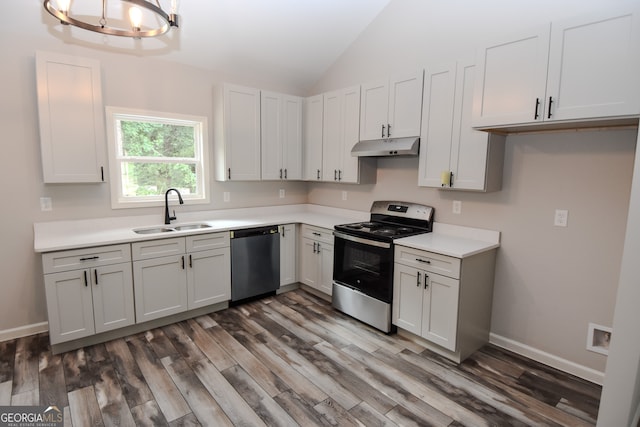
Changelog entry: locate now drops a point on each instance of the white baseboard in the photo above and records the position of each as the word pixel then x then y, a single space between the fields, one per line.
pixel 23 331
pixel 548 359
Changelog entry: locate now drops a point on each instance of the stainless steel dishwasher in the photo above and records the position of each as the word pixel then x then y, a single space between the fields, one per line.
pixel 255 262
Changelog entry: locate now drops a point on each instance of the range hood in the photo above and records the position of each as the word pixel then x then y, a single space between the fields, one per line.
pixel 387 147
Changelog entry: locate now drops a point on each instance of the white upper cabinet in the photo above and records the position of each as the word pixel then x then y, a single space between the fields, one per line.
pixel 594 67
pixel 391 108
pixel 312 140
pixel 583 68
pixel 340 131
pixel 237 133
pixel 281 135
pixel 452 154
pixel 72 133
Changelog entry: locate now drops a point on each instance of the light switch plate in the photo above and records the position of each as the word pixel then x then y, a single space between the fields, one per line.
pixel 281 193
pixel 457 207
pixel 226 196
pixel 561 218
pixel 344 195
pixel 45 204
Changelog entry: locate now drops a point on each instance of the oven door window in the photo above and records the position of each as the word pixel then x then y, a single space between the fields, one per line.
pixel 366 268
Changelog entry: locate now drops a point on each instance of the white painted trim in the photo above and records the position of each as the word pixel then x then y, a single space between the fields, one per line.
pixel 23 331
pixel 548 359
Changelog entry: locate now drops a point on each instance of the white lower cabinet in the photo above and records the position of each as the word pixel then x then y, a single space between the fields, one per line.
pixel 427 305
pixel 443 299
pixel 88 291
pixel 179 274
pixel 316 258
pixel 288 246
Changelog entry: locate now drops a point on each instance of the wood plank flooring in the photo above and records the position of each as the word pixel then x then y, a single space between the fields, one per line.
pixel 287 360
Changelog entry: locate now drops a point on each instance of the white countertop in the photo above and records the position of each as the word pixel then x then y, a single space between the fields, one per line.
pixel 61 235
pixel 446 239
pixel 453 240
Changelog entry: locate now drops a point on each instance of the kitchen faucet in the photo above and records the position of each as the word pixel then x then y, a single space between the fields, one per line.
pixel 167 218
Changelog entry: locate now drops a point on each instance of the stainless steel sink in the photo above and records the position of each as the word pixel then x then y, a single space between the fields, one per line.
pixel 154 230
pixel 191 227
pixel 167 229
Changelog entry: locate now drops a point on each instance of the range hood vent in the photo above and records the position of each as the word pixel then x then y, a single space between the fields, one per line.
pixel 387 147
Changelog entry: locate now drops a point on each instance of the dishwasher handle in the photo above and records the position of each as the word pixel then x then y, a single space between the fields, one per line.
pixel 257 231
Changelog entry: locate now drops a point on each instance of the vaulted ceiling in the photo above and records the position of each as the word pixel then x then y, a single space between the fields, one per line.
pixel 294 40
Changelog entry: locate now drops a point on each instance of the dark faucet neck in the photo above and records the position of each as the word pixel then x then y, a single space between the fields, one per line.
pixel 168 218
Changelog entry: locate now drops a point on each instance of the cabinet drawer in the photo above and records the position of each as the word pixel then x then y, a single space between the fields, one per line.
pixel 158 248
pixel 428 261
pixel 76 259
pixel 205 242
pixel 317 233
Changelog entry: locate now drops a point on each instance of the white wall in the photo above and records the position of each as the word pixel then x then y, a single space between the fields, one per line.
pixel 128 81
pixel 550 282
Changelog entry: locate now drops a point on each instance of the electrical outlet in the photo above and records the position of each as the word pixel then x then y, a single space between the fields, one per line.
pixel 561 218
pixel 344 195
pixel 45 204
pixel 457 207
pixel 226 196
pixel 281 193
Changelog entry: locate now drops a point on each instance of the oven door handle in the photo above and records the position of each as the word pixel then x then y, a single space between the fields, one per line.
pixel 340 235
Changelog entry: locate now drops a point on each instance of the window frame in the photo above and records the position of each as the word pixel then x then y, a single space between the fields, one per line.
pixel 199 123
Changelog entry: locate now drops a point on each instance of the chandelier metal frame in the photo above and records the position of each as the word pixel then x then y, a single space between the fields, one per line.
pixel 169 20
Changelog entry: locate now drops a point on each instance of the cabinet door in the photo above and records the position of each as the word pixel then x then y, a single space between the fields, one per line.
pixel 350 135
pixel 407 298
pixel 437 124
pixel 292 137
pixel 208 277
pixel 440 310
pixel 405 105
pixel 468 146
pixel 312 143
pixel 374 110
pixel 160 287
pixel 288 252
pixel 72 133
pixel 309 265
pixel 271 135
pixel 594 63
pixel 331 135
pixel 69 305
pixel 512 75
pixel 325 259
pixel 112 293
pixel 241 133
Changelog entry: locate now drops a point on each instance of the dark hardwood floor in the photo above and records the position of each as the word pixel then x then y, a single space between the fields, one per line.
pixel 286 360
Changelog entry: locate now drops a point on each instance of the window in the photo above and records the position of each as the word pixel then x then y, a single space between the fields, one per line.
pixel 151 152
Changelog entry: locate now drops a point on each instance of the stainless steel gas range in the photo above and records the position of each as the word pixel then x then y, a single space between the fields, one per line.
pixel 363 259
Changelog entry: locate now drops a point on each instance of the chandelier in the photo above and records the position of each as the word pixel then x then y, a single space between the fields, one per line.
pixel 158 22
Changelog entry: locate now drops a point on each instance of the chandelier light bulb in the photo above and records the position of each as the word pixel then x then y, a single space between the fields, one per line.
pixel 63 6
pixel 135 15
